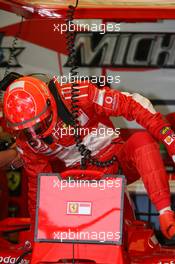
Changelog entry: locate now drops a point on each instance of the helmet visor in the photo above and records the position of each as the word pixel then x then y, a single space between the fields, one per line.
pixel 37 130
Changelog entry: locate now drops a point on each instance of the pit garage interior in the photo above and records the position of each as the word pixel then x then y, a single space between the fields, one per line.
pixel 130 45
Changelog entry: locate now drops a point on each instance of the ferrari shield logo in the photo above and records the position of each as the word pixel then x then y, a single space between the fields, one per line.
pixel 14 180
pixel 73 208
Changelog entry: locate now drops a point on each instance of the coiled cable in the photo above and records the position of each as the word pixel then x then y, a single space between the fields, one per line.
pixel 70 41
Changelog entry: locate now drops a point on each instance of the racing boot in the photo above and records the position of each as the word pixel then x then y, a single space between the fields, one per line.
pixel 167 224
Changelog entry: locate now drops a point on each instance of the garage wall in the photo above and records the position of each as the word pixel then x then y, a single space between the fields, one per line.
pixel 138 57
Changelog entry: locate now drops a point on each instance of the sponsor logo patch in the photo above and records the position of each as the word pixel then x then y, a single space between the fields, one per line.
pixel 79 208
pixel 164 130
pixel 169 139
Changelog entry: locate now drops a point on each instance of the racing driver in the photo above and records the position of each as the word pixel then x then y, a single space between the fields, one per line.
pixel 32 113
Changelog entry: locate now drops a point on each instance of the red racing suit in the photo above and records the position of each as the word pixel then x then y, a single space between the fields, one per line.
pixel 139 156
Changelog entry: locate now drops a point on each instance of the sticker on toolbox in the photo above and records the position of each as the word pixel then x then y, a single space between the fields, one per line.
pixel 79 208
